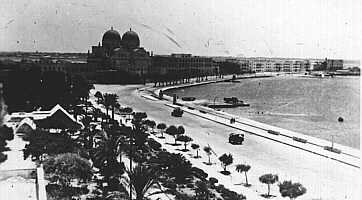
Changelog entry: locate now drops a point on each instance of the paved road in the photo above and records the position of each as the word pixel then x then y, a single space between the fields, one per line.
pixel 324 178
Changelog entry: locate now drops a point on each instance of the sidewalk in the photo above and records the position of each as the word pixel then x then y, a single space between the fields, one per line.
pixel 16 179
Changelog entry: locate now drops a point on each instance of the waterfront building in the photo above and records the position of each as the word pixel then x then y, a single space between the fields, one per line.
pixel 183 66
pixel 261 65
pixel 333 65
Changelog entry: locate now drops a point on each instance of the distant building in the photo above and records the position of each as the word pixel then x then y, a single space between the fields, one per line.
pixel 183 65
pixel 261 65
pixel 333 65
pixel 120 54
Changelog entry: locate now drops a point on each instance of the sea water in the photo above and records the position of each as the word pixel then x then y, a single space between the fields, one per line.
pixel 306 105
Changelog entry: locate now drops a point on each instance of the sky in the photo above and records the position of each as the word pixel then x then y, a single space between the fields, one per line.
pixel 250 28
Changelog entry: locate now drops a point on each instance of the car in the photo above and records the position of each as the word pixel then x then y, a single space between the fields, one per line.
pixel 236 138
pixel 274 132
pixel 177 112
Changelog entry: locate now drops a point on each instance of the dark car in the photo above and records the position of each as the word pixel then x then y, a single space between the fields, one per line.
pixel 274 132
pixel 235 138
pixel 177 112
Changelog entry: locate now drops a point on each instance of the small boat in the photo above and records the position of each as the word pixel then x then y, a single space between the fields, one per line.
pixel 235 101
pixel 188 98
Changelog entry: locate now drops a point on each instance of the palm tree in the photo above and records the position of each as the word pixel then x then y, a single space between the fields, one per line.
pixel 243 168
pixel 208 151
pixel 106 101
pixel 105 155
pixel 268 179
pixel 196 147
pixel 113 102
pixel 142 179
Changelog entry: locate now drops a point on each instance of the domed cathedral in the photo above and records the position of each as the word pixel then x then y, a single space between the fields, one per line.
pixel 111 40
pixel 121 54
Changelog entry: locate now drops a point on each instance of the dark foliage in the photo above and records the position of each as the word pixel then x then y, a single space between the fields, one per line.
pixel 226 160
pixel 42 142
pixel 199 173
pixel 291 190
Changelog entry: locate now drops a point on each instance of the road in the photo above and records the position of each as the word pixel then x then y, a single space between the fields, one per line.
pixel 324 178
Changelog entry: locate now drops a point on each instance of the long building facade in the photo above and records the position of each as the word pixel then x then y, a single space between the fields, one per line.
pixel 183 66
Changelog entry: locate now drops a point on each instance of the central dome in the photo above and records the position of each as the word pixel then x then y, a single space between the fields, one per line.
pixel 111 39
pixel 130 40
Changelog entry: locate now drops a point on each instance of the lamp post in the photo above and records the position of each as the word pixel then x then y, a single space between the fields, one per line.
pixel 214 101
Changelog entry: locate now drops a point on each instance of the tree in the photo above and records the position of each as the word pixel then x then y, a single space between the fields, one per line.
pixel 226 160
pixel 150 123
pixel 202 191
pixel 80 88
pixel 173 131
pixel 291 190
pixel 99 96
pixel 142 179
pixel 43 142
pixel 97 114
pixel 180 130
pixel 268 179
pixel 105 156
pixel 110 100
pixel 243 168
pixel 6 133
pixel 208 151
pixel 162 127
pixel 63 168
pixel 196 147
pixel 107 102
pixel 178 166
pixel 184 138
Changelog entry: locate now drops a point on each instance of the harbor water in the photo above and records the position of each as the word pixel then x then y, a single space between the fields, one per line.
pixel 306 105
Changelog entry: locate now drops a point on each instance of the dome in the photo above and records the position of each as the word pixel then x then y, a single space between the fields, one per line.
pixel 111 39
pixel 130 40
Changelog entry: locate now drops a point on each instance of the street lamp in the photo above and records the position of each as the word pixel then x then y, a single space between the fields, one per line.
pixel 214 101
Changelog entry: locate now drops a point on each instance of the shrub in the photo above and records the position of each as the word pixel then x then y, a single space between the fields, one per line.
pixel 199 173
pixel 154 144
pixel 65 167
pixel 213 180
pixel 291 190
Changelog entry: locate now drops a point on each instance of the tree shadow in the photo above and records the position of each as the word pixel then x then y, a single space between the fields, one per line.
pixel 183 150
pixel 196 157
pixel 226 173
pixel 173 144
pixel 267 196
pixel 207 163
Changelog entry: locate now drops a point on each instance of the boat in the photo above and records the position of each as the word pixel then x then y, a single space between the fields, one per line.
pixel 229 102
pixel 235 101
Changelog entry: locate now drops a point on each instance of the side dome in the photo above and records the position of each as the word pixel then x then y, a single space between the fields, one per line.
pixel 111 39
pixel 130 40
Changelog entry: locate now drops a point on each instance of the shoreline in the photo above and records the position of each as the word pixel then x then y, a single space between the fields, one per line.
pixel 350 151
pixel 264 155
